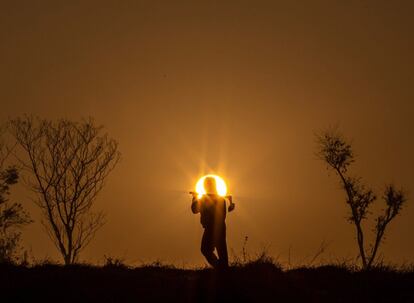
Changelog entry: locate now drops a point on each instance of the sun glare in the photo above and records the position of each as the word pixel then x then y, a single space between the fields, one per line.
pixel 220 186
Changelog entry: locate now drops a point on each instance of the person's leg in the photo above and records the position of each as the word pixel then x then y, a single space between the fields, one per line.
pixel 222 248
pixel 207 246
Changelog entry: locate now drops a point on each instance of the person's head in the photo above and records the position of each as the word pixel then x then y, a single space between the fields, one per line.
pixel 210 185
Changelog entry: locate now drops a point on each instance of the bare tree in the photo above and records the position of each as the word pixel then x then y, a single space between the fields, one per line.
pixel 337 153
pixel 68 164
pixel 12 215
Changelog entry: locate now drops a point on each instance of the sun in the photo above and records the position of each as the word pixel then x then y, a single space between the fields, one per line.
pixel 220 186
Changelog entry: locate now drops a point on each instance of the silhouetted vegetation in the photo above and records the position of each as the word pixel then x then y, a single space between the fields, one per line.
pixel 255 281
pixel 12 215
pixel 68 163
pixel 337 153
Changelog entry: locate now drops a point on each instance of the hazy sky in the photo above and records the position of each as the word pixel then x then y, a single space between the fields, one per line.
pixel 232 87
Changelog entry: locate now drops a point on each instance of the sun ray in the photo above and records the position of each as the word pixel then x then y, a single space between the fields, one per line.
pixel 220 185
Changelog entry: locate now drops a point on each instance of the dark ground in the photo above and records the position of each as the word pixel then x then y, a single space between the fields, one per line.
pixel 247 283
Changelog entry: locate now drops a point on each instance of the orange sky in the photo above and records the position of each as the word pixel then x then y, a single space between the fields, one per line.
pixel 237 89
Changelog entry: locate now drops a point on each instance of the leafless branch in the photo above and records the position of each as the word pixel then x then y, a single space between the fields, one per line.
pixel 68 164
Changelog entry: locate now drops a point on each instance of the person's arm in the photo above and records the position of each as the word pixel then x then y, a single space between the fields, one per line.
pixel 195 204
pixel 232 205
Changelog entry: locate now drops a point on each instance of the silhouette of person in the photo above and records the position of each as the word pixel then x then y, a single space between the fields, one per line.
pixel 212 209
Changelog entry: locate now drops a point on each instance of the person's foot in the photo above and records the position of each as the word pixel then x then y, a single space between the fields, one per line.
pixel 222 266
